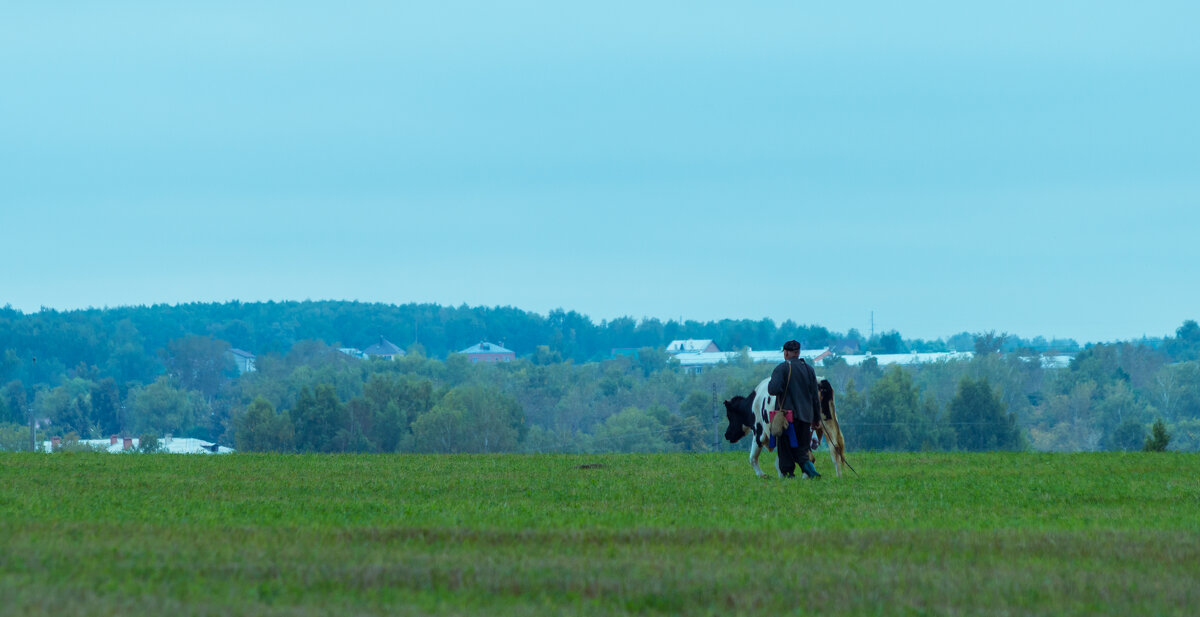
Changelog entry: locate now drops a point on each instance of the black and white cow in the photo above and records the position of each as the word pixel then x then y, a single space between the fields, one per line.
pixel 749 415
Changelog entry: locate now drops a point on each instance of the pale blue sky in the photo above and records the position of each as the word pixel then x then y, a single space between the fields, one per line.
pixel 1028 167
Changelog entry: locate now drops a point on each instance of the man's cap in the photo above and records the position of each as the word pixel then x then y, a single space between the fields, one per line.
pixel 791 346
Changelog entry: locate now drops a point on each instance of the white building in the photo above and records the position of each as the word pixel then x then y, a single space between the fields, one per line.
pixel 169 445
pixel 695 362
pixel 353 352
pixel 244 361
pixel 692 346
pixel 908 359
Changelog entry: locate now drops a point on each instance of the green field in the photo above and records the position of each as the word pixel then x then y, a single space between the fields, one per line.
pixel 980 534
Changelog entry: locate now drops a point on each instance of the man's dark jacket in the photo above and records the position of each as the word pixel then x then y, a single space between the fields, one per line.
pixel 801 395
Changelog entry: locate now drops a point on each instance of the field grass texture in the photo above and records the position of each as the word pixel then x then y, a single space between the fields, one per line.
pixel 914 534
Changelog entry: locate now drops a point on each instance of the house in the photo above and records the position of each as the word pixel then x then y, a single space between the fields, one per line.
pixel 692 346
pixel 383 349
pixel 488 352
pixel 244 361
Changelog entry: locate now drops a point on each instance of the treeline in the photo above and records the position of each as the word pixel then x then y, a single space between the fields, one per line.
pixel 131 344
pixel 1108 398
pixel 316 399
pixel 311 398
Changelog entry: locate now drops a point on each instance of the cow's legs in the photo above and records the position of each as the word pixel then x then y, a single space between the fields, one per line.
pixel 837 467
pixel 755 450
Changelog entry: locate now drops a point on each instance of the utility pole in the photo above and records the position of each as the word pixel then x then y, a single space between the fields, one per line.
pixel 872 325
pixel 32 423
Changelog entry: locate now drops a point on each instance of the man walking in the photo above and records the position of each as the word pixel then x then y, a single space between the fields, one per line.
pixel 794 386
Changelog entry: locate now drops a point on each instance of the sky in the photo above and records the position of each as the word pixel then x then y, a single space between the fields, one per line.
pixel 1023 167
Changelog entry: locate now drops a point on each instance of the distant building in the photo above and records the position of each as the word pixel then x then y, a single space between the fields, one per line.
pixel 116 445
pixel 692 346
pixel 1055 361
pixel 695 363
pixel 908 359
pixel 383 349
pixel 488 352
pixel 244 361
pixel 353 352
pixel 844 347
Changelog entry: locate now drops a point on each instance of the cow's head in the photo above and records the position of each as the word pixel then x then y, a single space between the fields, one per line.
pixel 741 417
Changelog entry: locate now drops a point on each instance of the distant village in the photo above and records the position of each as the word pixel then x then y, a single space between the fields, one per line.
pixel 693 356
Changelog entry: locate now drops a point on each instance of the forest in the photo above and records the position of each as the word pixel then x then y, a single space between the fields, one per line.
pixel 165 370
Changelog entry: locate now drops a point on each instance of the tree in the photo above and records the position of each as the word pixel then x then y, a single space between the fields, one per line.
pixel 869 371
pixel 317 418
pixel 698 404
pixel 16 401
pixel 1067 422
pixel 890 343
pixel 1140 362
pixel 1176 391
pixel 989 343
pixel 685 433
pixel 1158 439
pixel 1122 415
pixel 542 356
pixel 106 407
pixel 10 363
pixel 357 432
pixel 161 407
pixel 837 371
pixel 963 341
pixel 652 360
pixel 1185 436
pixel 68 406
pixel 260 429
pixel 979 418
pixel 14 437
pixel 440 430
pixel 630 430
pixel 199 363
pixel 934 434
pixel 457 369
pixel 492 420
pixel 394 402
pixel 1186 344
pixel 148 444
pixel 889 419
pixel 131 363
pixel 1128 436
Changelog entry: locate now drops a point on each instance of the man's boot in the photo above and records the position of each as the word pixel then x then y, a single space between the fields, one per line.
pixel 809 470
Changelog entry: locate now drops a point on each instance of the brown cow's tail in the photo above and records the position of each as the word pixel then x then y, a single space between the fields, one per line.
pixel 830 426
pixel 841 441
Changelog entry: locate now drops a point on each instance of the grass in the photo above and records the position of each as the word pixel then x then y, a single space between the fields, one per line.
pixel 943 534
